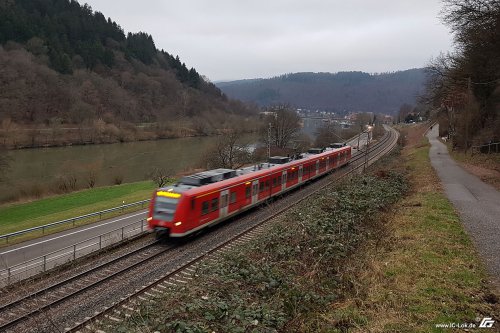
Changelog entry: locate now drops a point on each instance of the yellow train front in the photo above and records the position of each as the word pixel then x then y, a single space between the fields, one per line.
pixel 168 212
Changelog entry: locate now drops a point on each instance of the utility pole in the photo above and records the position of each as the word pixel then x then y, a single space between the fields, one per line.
pixel 360 132
pixel 366 152
pixel 269 142
pixel 469 102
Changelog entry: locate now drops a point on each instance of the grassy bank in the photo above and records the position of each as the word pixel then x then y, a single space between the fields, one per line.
pixel 359 257
pixel 27 215
pixel 425 271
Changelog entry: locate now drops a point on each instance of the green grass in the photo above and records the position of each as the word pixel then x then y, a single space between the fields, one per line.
pixel 17 217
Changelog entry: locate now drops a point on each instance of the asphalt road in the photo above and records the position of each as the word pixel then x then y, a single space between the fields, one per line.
pixel 28 250
pixel 477 203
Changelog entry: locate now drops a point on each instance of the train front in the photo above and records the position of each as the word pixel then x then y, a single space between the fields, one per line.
pixel 165 215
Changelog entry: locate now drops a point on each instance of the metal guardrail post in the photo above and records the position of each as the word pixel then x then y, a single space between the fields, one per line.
pixel 74 252
pixel 100 242
pixel 44 263
pixel 8 275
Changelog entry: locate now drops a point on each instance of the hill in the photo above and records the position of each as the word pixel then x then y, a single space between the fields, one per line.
pixel 343 91
pixel 62 63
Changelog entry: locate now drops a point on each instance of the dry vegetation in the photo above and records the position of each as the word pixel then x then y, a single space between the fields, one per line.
pixel 484 166
pixel 358 258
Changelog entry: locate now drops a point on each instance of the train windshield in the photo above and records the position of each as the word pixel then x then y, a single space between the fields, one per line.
pixel 165 208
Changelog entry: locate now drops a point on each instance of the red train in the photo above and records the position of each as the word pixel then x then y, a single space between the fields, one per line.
pixel 209 197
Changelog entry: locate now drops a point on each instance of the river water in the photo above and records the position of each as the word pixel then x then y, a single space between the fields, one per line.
pixel 132 161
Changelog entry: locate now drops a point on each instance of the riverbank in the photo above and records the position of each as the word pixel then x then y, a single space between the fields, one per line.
pixel 16 136
pixel 39 173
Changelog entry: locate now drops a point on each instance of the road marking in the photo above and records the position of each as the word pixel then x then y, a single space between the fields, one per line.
pixel 70 234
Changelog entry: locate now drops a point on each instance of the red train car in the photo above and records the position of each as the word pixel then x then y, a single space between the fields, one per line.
pixel 209 197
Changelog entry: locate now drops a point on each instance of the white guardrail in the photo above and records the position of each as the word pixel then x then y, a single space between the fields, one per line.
pixel 42 264
pixel 72 220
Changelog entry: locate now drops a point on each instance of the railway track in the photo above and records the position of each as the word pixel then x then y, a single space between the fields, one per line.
pixel 127 305
pixel 19 311
pixel 23 308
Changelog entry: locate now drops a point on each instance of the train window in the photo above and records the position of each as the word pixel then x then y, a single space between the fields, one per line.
pixel 261 187
pixel 223 201
pixel 274 182
pixel 204 208
pixel 192 204
pixel 233 197
pixel 164 208
pixel 279 180
pixel 215 205
pixel 248 192
pixel 267 184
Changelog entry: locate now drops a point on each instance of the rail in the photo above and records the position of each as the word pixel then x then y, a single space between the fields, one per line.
pixel 44 263
pixel 53 259
pixel 143 293
pixel 72 220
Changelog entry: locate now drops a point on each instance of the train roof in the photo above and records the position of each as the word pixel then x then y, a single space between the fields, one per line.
pixel 206 182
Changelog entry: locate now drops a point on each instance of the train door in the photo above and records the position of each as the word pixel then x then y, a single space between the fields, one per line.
pixel 255 191
pixel 317 167
pixel 283 184
pixel 223 203
pixel 300 174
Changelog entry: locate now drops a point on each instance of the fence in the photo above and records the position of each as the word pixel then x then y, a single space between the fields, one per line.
pixel 42 264
pixel 487 148
pixel 72 220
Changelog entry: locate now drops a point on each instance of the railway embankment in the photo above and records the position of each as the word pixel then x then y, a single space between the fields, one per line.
pixel 382 251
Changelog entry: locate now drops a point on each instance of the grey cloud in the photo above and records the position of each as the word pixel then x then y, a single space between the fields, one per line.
pixel 228 39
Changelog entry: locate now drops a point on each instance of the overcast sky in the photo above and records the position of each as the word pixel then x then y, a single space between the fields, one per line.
pixel 231 39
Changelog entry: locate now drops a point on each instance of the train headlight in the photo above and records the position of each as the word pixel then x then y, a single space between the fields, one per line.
pixel 177 223
pixel 149 219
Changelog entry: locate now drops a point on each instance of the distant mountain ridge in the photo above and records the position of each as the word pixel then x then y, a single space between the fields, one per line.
pixel 338 92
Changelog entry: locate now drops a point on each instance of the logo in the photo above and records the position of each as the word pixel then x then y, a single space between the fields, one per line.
pixel 486 323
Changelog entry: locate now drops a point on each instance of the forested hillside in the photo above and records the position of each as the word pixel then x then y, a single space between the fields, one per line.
pixel 343 91
pixel 465 86
pixel 62 63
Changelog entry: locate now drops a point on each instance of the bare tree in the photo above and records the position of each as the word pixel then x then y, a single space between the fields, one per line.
pixel 326 134
pixel 91 173
pixel 4 163
pixel 285 126
pixel 160 175
pixel 228 152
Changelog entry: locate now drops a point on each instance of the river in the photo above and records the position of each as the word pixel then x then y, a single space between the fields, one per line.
pixel 39 168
